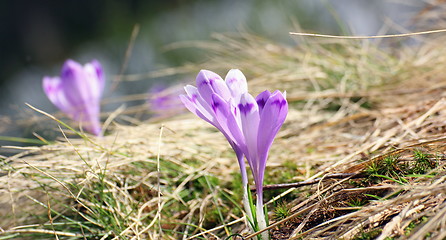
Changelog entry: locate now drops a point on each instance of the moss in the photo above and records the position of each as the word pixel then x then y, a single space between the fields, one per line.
pixel 368 235
pixel 281 211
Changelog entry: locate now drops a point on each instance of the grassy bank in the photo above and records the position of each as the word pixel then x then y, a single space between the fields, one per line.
pixel 375 114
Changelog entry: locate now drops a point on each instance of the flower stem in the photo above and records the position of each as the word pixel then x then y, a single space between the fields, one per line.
pixel 246 203
pixel 260 214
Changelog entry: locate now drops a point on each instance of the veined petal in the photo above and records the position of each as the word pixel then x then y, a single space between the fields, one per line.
pixel 95 79
pixel 261 99
pixel 197 105
pixel 249 115
pixel 77 93
pixel 193 108
pixel 272 117
pixel 235 111
pixel 53 89
pixel 89 119
pixel 99 72
pixel 225 118
pixel 236 82
pixel 189 104
pixel 192 92
pixel 208 83
pixel 75 84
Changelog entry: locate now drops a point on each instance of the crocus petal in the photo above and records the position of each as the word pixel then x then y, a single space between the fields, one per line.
pixel 77 93
pixel 89 120
pixel 249 115
pixel 261 99
pixel 224 117
pixel 209 82
pixel 221 111
pixel 53 89
pixel 95 78
pixel 235 126
pixel 75 84
pixel 77 87
pixel 271 119
pixel 202 106
pixel 99 72
pixel 192 107
pixel 236 82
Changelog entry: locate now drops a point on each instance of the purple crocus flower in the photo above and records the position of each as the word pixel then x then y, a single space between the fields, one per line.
pixel 200 101
pixel 250 125
pixel 77 93
pixel 163 100
pixel 210 87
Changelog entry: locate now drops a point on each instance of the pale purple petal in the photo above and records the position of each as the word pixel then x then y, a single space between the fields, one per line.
pixel 89 120
pixel 221 110
pixel 209 82
pixel 271 119
pixel 77 93
pixel 261 99
pixel 249 115
pixel 75 84
pixel 192 92
pixel 53 89
pixel 236 82
pixel 191 106
pixel 203 107
pixel 99 72
pixel 95 79
pixel 223 114
pixel 204 85
pixel 221 89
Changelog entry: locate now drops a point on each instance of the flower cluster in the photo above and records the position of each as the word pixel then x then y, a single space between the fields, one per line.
pixel 249 124
pixel 77 93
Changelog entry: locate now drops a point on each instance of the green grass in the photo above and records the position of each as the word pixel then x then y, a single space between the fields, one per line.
pixel 392 168
pixel 281 211
pixel 369 235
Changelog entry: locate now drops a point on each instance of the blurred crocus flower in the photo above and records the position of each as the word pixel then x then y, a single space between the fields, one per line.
pixel 77 93
pixel 249 124
pixel 163 100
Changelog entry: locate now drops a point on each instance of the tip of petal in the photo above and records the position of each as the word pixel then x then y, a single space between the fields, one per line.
pixel 262 98
pixel 69 68
pixel 235 75
pixel 278 99
pixel 236 82
pixel 247 104
pixel 206 77
pixel 50 84
pixel 96 130
pixel 98 68
pixel 69 63
pixel 191 92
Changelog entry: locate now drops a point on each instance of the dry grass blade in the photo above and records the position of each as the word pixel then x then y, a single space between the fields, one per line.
pixel 369 37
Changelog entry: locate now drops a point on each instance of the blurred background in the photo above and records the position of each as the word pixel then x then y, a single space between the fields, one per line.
pixel 36 37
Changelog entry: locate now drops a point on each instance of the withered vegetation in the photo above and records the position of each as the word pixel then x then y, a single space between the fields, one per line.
pixel 378 112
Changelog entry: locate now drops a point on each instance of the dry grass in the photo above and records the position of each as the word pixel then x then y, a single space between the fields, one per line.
pixel 353 107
